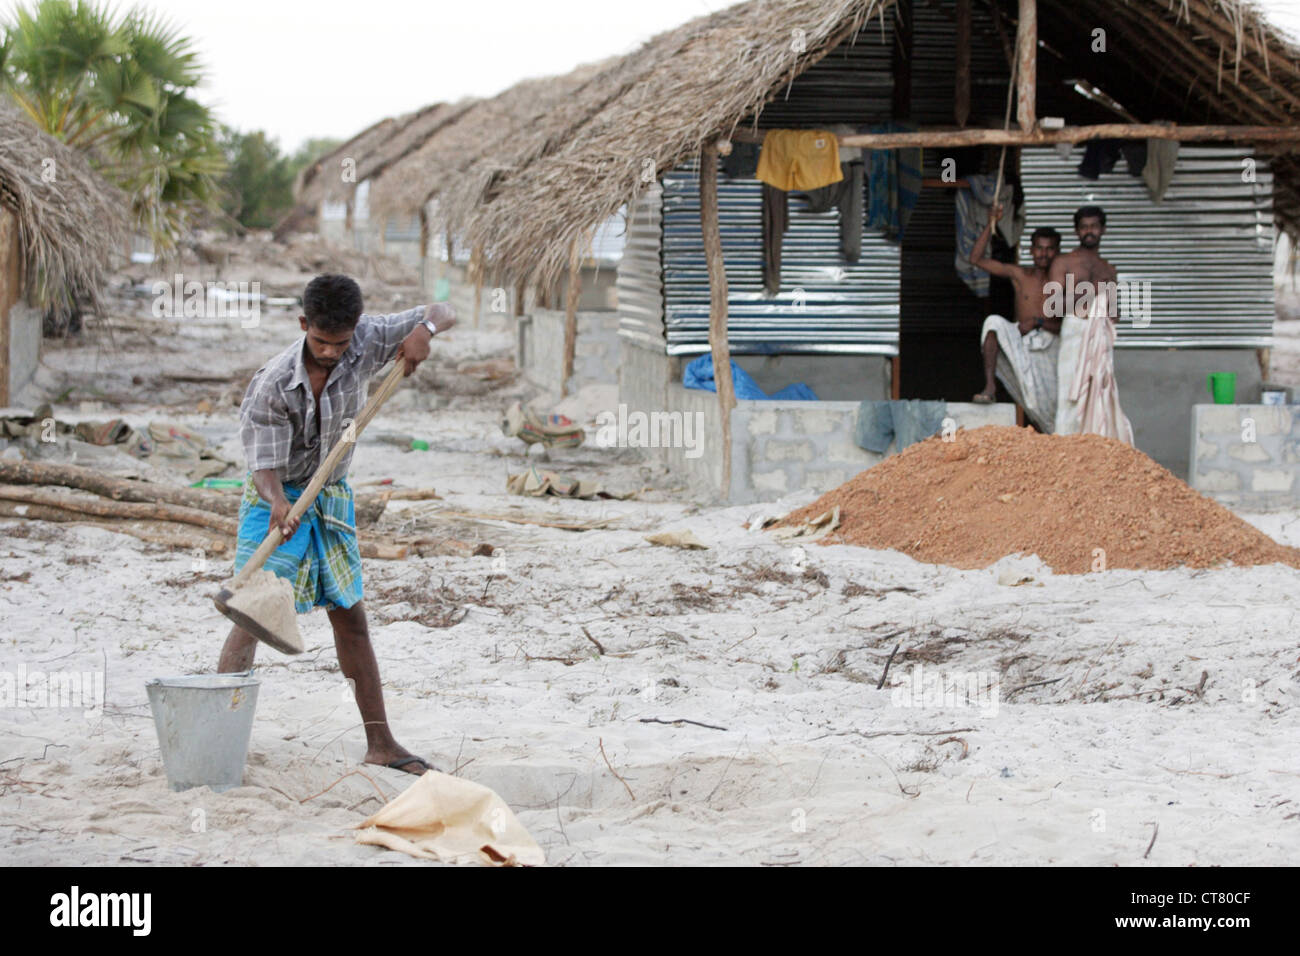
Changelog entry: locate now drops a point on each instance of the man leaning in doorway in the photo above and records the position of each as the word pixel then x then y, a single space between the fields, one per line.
pixel 1022 352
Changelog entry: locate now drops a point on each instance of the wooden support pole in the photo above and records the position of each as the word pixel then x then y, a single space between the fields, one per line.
pixel 1007 52
pixel 1067 134
pixel 571 312
pixel 1027 65
pixel 10 280
pixel 520 289
pixel 718 346
pixel 961 82
pixel 476 276
pixel 902 60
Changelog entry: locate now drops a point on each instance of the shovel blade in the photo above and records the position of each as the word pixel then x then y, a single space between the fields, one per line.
pixel 264 607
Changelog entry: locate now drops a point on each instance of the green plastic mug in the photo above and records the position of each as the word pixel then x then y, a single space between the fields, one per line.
pixel 1223 386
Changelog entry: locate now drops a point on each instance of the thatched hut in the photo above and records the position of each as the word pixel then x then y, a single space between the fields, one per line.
pixel 636 133
pixel 899 323
pixel 339 181
pixel 61 226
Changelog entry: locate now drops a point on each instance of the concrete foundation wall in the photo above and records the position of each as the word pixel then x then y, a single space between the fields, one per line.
pixel 540 349
pixel 776 447
pixel 1247 456
pixel 1158 388
pixel 25 327
pixel 643 376
pixel 780 447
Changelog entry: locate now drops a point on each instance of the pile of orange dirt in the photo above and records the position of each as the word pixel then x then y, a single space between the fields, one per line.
pixel 998 491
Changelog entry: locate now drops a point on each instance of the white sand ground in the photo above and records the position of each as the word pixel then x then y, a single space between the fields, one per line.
pixel 806 762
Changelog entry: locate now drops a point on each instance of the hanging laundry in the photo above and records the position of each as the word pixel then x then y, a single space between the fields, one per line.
pixel 1099 156
pixel 743 161
pixel 1087 395
pixel 848 197
pixel 799 159
pixel 893 182
pixel 1135 155
pixel 972 212
pixel 1162 157
pixel 776 220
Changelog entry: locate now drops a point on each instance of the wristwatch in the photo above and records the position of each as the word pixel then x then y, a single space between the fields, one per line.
pixel 433 329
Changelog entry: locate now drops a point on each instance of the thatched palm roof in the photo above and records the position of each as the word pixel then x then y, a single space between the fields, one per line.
pixel 716 71
pixel 494 136
pixel 694 82
pixel 525 174
pixel 69 228
pixel 373 150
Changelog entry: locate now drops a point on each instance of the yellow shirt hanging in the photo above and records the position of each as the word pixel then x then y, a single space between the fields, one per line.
pixel 799 159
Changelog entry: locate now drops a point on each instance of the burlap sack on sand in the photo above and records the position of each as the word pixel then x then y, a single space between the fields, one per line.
pixel 445 818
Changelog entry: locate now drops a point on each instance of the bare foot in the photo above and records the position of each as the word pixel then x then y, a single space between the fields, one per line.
pixel 984 398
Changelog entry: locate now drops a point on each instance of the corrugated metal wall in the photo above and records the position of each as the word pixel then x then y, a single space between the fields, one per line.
pixel 640 273
pixel 1207 249
pixel 851 84
pixel 825 305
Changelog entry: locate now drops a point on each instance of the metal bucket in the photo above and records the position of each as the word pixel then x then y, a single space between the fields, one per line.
pixel 204 723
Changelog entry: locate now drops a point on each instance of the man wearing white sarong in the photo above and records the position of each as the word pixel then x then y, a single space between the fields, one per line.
pixel 1023 352
pixel 1081 280
pixel 1027 368
pixel 1088 397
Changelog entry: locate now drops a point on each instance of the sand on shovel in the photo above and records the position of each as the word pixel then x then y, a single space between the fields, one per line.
pixel 264 607
pixel 1080 502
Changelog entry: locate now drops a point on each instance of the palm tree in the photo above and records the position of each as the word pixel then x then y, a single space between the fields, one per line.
pixel 120 92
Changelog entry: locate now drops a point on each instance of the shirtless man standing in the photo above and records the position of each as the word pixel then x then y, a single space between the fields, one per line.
pixel 1081 284
pixel 1082 273
pixel 1028 283
pixel 1022 351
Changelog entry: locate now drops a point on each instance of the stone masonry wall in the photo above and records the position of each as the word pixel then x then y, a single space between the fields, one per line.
pixel 1262 474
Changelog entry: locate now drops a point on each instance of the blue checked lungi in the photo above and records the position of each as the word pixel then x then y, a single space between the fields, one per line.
pixel 322 560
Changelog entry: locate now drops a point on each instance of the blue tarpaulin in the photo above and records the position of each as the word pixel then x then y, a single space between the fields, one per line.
pixel 699 374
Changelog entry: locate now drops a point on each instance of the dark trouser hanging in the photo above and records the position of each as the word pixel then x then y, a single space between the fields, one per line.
pixel 776 220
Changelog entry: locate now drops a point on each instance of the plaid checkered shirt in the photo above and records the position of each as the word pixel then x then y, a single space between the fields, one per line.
pixel 277 420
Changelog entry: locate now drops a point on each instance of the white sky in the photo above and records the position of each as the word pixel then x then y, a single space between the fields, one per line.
pixel 305 68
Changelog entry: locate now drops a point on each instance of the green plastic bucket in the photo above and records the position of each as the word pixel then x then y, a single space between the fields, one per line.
pixel 1223 386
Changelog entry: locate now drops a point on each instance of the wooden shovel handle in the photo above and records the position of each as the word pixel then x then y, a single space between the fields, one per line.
pixel 274 539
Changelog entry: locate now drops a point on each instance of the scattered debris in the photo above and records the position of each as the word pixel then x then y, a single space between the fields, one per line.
pixel 677 539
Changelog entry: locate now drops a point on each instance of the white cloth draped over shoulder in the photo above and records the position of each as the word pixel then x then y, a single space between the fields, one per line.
pixel 1087 394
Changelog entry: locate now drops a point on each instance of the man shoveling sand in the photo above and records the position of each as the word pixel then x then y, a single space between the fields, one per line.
pixel 299 406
